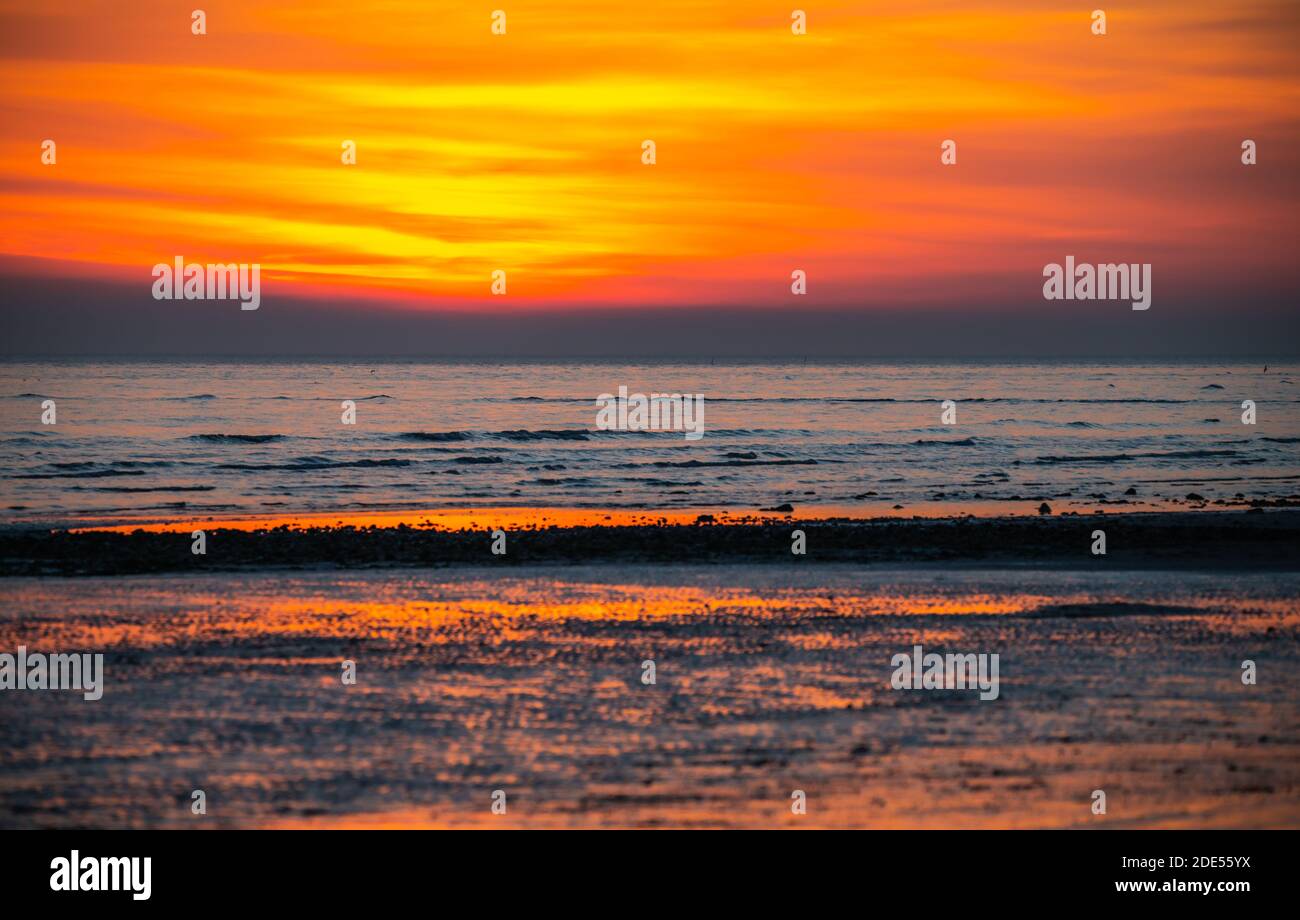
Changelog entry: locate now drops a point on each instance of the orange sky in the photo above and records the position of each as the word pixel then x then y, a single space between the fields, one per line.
pixel 522 152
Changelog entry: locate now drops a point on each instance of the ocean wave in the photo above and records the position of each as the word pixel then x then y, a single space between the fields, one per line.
pixel 584 434
pixel 236 438
pixel 433 436
pixel 514 434
pixel 544 434
pixel 118 464
pixel 376 396
pixel 83 474
pixel 136 489
pixel 650 481
pixel 1152 455
pixel 695 464
pixel 307 464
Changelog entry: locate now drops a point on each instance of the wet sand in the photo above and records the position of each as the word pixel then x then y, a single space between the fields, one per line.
pixel 769 678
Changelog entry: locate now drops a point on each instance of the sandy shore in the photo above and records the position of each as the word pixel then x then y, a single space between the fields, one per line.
pixel 522 672
pixel 1218 540
pixel 769 679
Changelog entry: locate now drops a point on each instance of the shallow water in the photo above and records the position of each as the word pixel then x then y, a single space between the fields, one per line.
pixel 767 680
pixel 158 440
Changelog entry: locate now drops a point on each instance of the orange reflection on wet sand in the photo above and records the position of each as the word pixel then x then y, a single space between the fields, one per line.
pixel 444 607
pixel 526 518
pixel 768 679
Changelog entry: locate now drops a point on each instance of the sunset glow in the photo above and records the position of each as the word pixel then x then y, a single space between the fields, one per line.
pixel 570 414
pixel 521 152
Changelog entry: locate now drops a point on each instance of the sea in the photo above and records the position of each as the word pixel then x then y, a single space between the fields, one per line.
pixel 148 440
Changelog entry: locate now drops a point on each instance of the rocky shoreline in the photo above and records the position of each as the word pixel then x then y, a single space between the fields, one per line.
pixel 1257 540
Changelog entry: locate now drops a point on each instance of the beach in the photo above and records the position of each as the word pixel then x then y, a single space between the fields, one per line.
pixel 769 679
pixel 473 609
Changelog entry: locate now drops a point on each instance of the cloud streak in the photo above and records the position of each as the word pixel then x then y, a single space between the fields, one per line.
pixel 522 152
